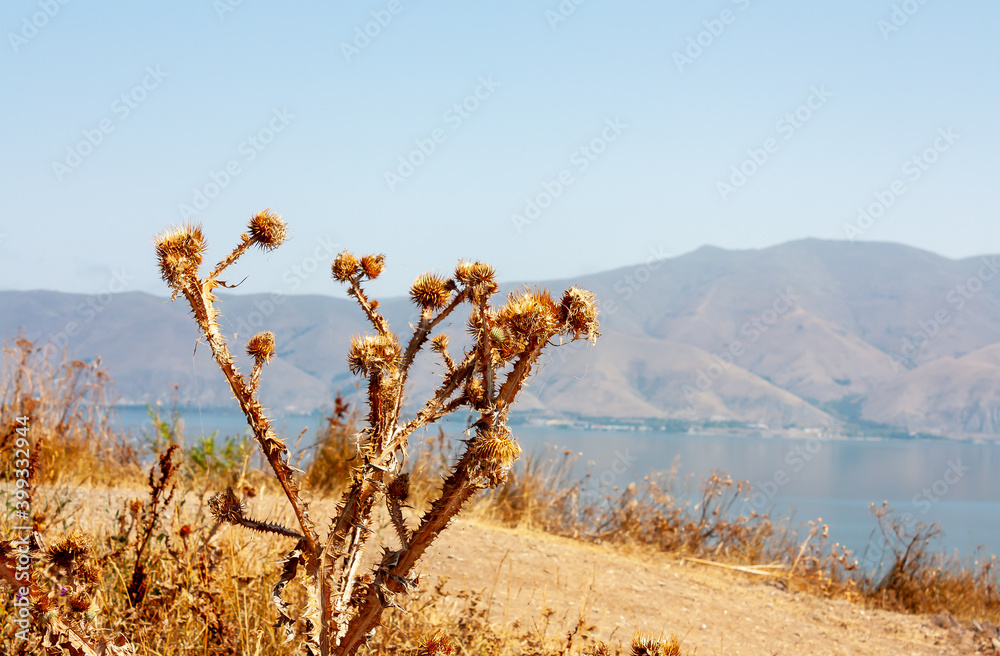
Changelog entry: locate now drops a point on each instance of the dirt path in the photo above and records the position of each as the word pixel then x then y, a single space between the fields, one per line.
pixel 716 611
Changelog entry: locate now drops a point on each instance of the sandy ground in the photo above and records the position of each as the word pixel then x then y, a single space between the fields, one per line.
pixel 715 611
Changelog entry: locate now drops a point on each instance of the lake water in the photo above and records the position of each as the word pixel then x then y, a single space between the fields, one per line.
pixel 956 484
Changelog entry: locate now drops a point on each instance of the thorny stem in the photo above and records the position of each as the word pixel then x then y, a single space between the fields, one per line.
pixel 425 328
pixel 200 298
pixel 458 488
pixel 515 379
pixel 344 544
pixel 255 377
pixel 377 320
pixel 485 347
pixel 434 408
pixel 245 243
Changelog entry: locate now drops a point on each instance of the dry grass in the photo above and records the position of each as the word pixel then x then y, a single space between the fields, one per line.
pixel 913 578
pixel 68 404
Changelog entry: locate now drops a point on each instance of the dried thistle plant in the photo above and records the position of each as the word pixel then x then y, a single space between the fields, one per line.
pixel 344 604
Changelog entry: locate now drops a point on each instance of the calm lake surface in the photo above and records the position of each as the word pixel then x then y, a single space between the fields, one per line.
pixel 956 484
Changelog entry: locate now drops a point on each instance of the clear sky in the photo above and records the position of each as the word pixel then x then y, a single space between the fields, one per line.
pixel 625 124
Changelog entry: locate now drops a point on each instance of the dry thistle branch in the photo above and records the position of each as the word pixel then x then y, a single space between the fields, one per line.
pixel 344 604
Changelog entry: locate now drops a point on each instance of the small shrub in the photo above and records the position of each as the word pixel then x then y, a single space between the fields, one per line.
pixel 911 577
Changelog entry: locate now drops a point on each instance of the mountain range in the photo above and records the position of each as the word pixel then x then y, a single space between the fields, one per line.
pixel 879 335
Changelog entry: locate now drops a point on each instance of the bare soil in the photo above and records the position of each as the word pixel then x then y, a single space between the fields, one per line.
pixel 716 611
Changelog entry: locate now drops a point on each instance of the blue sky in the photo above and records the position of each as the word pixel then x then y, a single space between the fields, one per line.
pixel 629 122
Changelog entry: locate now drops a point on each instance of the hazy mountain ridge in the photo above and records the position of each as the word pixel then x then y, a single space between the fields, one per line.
pixel 769 336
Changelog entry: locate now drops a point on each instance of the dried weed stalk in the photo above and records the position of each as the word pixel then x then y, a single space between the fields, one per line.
pixel 345 605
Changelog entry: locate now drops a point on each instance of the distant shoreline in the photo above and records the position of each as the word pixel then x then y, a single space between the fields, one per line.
pixel 644 425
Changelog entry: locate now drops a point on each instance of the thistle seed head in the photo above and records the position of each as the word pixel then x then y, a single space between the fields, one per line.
pixel 431 291
pixel 373 265
pixel 226 507
pixel 646 645
pixel 495 451
pixel 69 549
pixel 479 279
pixel 527 315
pixel 261 347
pixel 80 601
pixel 180 250
pixel 472 274
pixel 436 645
pixel 267 230
pixel 399 488
pixel 371 354
pixel 507 344
pixel 578 313
pixel 345 266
